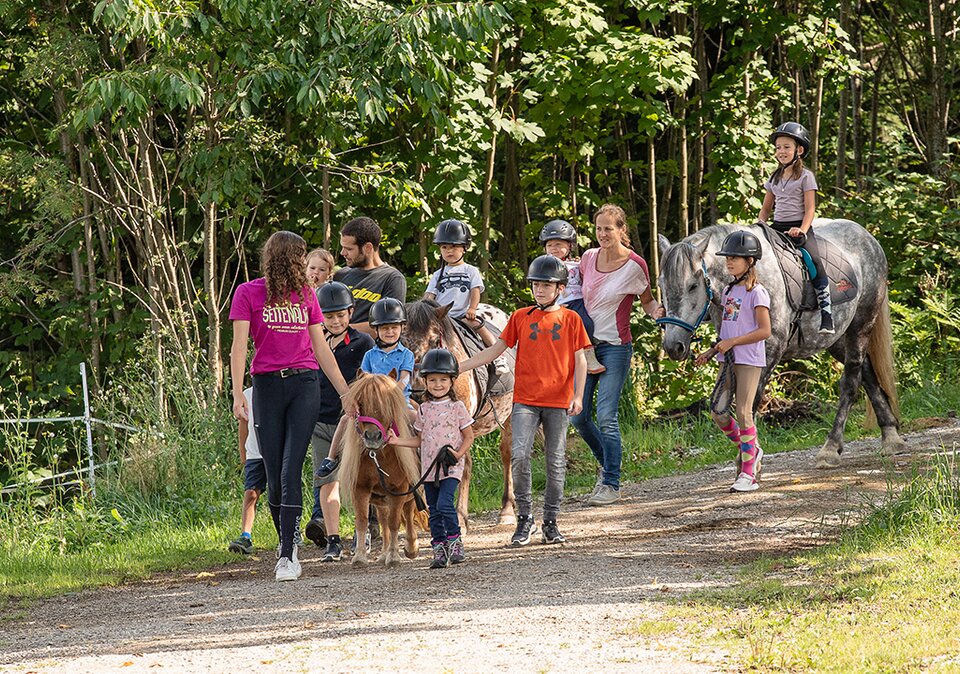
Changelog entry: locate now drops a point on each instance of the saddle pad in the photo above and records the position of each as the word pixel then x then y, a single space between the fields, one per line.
pixel 843 281
pixel 483 375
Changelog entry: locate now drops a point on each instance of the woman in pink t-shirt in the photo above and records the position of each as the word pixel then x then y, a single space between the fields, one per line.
pixel 613 275
pixel 280 312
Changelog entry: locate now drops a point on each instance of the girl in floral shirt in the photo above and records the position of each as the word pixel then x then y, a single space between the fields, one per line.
pixel 444 436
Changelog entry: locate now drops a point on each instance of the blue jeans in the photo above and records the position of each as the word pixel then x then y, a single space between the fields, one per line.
pixel 603 437
pixel 578 307
pixel 444 522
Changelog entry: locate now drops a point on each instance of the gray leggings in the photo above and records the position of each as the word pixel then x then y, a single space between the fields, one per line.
pixel 525 421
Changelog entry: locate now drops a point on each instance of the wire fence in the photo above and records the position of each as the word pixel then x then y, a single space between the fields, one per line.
pixel 88 420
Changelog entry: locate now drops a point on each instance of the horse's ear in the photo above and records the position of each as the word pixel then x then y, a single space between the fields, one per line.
pixel 442 312
pixel 664 245
pixel 703 245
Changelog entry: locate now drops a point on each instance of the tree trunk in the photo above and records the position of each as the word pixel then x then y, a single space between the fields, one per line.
pixel 937 112
pixel 325 195
pixel 487 190
pixel 684 175
pixel 664 206
pixel 512 219
pixel 654 254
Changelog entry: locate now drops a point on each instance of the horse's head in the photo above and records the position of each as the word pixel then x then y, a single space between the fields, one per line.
pixel 686 293
pixel 381 405
pixel 428 327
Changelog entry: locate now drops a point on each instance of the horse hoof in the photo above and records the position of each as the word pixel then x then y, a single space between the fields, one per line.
pixel 506 520
pixel 827 460
pixel 892 448
pixel 411 553
pixel 391 562
pixel 359 563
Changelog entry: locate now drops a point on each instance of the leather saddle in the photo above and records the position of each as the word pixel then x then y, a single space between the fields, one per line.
pixel 489 383
pixel 798 270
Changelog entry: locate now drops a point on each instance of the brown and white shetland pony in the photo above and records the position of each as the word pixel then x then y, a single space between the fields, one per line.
pixel 429 327
pixel 381 405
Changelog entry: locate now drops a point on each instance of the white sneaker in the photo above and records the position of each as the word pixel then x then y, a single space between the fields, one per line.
pixel 288 569
pixel 605 496
pixel 746 482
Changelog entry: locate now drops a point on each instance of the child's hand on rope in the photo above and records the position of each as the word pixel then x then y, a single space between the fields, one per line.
pixel 705 356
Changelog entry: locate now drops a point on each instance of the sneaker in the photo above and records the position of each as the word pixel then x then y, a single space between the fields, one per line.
pixel 551 534
pixel 594 366
pixel 327 466
pixel 455 550
pixel 288 569
pixel 826 323
pixel 441 559
pixel 334 551
pixel 526 527
pixel 243 545
pixel 597 485
pixel 316 531
pixel 746 482
pixel 353 544
pixel 605 495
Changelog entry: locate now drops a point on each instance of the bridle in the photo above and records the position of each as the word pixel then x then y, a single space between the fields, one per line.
pixel 372 444
pixel 692 327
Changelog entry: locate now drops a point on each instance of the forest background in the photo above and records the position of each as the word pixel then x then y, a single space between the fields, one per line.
pixel 147 149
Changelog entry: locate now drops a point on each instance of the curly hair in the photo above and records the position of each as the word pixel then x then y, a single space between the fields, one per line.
pixel 619 218
pixel 283 262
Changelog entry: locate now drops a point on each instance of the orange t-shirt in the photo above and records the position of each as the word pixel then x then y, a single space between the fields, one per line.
pixel 547 343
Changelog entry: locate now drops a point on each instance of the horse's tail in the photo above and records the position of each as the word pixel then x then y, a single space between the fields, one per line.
pixel 880 352
pixel 350 454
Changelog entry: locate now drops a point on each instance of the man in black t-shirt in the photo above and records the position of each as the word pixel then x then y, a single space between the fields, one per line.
pixel 368 277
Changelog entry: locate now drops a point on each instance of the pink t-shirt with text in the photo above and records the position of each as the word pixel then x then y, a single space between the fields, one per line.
pixel 281 338
pixel 608 296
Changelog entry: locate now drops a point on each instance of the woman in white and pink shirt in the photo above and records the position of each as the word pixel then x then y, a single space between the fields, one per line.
pixel 613 277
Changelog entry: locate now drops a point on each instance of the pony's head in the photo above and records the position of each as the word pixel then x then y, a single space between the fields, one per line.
pixel 428 327
pixel 685 290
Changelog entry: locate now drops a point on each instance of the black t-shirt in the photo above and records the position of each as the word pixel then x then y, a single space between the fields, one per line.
pixel 349 354
pixel 370 285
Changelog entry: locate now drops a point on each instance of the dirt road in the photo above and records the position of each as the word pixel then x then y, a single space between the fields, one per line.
pixel 542 608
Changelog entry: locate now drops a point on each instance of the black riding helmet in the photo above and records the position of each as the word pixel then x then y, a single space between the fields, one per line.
pixel 439 361
pixel 388 311
pixel 796 131
pixel 453 232
pixel 558 230
pixel 334 296
pixel 547 268
pixel 741 244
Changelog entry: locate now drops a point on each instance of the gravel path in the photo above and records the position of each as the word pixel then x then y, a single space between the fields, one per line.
pixel 542 609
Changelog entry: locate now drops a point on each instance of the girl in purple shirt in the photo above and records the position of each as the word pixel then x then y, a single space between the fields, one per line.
pixel 280 312
pixel 745 326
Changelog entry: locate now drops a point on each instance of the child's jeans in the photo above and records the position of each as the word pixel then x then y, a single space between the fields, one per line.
pixel 525 420
pixel 578 307
pixel 444 522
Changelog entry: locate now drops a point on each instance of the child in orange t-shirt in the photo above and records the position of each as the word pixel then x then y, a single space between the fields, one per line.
pixel 548 386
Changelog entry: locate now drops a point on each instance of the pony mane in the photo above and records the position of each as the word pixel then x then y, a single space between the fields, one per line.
pixel 421 316
pixel 377 396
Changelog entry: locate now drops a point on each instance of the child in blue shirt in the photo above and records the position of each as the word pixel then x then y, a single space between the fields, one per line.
pixel 387 318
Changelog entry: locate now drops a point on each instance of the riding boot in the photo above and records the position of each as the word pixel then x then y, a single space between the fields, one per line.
pixel 826 309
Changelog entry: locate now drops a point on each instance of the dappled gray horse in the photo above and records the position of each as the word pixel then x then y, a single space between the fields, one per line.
pixel 692 280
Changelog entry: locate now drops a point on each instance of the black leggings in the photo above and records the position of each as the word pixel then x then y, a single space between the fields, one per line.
pixel 810 245
pixel 285 411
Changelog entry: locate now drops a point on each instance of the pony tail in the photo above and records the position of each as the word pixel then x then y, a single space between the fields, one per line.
pixel 751 280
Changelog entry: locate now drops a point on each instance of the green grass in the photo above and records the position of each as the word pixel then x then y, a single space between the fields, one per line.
pixel 884 598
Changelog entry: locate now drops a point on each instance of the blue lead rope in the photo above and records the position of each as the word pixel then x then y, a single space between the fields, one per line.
pixel 692 328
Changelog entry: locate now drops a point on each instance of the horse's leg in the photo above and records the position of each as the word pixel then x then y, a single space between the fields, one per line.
pixel 829 454
pixel 391 531
pixel 411 546
pixel 463 494
pixel 508 504
pixel 361 506
pixel 890 440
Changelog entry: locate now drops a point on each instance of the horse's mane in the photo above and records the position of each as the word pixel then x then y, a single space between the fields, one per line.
pixel 377 396
pixel 422 314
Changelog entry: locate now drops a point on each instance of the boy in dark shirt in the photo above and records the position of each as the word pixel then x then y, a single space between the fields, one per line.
pixel 349 346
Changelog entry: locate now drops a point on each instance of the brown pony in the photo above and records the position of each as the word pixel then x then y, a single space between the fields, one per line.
pixel 378 397
pixel 429 326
